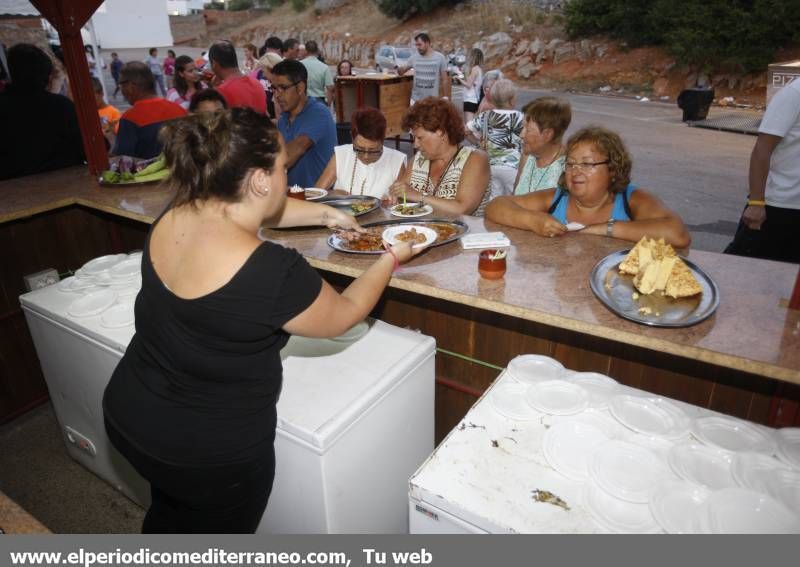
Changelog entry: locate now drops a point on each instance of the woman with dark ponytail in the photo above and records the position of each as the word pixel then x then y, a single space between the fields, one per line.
pixel 191 405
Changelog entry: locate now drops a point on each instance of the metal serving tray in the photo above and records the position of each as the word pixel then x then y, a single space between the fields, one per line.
pixel 335 242
pixel 345 203
pixel 616 290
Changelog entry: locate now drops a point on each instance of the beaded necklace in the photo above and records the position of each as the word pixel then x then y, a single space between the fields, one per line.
pixel 353 177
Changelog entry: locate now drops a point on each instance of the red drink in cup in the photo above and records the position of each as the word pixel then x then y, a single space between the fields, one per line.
pixel 296 192
pixel 492 264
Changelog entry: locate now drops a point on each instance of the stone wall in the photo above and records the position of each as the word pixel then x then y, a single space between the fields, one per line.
pixel 11 33
pixel 188 29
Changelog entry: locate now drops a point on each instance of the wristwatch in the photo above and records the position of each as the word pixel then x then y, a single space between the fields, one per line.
pixel 610 227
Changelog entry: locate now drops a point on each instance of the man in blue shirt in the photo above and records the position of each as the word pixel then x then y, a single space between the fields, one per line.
pixel 306 124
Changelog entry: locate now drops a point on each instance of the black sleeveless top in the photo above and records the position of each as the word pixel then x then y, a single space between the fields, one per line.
pixel 200 379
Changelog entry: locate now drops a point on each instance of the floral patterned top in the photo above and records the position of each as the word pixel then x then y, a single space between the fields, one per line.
pixel 499 132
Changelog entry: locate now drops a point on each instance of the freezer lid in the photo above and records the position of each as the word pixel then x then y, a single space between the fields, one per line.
pixel 323 396
pixel 487 471
pixel 53 304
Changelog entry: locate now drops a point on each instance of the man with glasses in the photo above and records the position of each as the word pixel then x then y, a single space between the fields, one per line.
pixel 237 88
pixel 139 126
pixel 306 124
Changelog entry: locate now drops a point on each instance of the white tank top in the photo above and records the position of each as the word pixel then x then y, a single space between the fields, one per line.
pixel 359 178
pixel 471 94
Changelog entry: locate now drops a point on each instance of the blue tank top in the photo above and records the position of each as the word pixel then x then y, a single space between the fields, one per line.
pixel 620 212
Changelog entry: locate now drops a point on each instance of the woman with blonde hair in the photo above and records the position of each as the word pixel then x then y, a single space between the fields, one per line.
pixel 472 83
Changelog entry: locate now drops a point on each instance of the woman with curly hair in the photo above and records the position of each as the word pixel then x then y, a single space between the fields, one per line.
pixel 595 191
pixel 444 174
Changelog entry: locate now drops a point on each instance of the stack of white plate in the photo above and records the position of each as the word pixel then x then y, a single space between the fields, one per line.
pixel 622 476
pixel 533 368
pixel 732 483
pixel 645 466
pixel 108 286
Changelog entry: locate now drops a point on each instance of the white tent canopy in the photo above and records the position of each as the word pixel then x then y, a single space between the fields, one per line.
pixel 17 8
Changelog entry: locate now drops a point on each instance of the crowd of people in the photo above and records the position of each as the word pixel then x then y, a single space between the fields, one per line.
pixel 217 304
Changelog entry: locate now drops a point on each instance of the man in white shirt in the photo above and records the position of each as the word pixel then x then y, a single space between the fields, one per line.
pixel 773 206
pixel 430 71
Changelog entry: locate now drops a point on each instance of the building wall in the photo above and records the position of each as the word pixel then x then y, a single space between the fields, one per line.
pixel 184 7
pixel 143 23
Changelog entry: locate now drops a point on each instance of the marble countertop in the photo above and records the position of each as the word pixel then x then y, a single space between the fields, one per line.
pixel 546 282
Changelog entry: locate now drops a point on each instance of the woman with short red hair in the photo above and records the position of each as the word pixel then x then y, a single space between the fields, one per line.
pixel 446 175
pixel 364 167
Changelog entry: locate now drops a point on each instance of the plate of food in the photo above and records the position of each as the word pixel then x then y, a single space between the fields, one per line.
pixel 315 193
pixel 417 235
pixel 650 284
pixel 410 210
pixel 355 205
pixel 371 241
pixel 125 170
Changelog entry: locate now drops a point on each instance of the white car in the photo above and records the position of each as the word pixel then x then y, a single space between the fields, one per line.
pixel 389 56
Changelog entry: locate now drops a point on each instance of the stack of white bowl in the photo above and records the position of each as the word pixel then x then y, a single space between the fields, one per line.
pixel 646 465
pixel 108 286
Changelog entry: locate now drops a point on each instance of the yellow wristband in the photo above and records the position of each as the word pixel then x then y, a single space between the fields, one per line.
pixel 756 203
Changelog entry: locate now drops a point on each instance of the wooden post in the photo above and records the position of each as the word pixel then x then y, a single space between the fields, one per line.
pixel 68 18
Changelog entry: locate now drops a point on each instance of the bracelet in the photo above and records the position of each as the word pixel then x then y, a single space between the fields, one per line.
pixel 396 259
pixel 610 227
pixel 756 202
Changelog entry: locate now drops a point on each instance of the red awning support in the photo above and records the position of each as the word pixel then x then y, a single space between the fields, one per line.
pixel 68 16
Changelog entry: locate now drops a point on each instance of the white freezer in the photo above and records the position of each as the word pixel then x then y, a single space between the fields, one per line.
pixel 481 478
pixel 355 417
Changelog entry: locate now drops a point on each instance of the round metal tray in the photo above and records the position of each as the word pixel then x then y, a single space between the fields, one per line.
pixel 335 242
pixel 346 202
pixel 616 290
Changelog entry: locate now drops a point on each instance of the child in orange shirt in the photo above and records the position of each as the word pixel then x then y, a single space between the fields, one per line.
pixel 109 115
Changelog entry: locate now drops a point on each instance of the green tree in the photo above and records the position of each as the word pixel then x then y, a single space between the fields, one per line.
pixel 403 9
pixel 741 35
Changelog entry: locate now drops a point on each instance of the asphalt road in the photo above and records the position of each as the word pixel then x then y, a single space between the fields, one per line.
pixel 699 173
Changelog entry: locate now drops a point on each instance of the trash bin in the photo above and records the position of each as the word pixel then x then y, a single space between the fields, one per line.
pixel 343 134
pixel 695 103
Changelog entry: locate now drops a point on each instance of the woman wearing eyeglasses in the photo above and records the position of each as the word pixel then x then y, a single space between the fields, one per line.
pixel 365 167
pixel 594 191
pixel 448 176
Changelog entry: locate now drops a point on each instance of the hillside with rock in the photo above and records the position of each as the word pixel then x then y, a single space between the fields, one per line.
pixel 525 39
